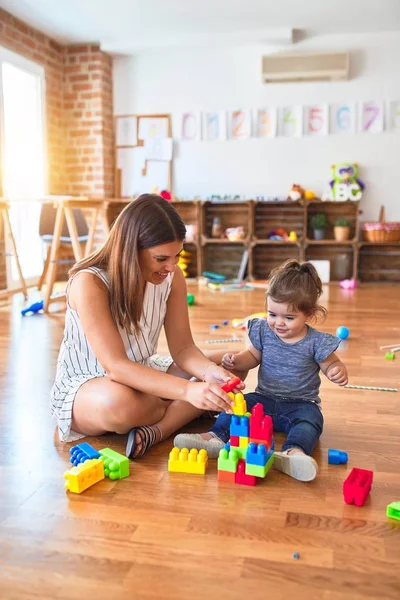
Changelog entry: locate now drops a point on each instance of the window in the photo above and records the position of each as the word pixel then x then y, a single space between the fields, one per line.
pixel 23 157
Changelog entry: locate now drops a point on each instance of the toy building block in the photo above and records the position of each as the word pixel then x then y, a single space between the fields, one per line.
pixel 393 510
pixel 234 440
pixel 390 356
pixel 183 461
pixel 82 452
pixel 243 442
pixel 357 486
pixel 116 466
pixel 228 460
pixel 256 454
pixel 231 384
pixel 239 426
pixel 79 478
pixel 226 476
pixel 240 407
pixel 241 451
pixel 260 426
pixel 337 457
pixel 241 477
pixel 259 471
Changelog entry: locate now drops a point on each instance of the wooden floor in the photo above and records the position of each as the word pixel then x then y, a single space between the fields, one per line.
pixel 176 536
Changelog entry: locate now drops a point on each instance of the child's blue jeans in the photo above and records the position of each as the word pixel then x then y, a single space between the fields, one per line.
pixel 302 420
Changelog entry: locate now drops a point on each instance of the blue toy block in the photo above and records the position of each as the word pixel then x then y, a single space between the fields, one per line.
pixel 82 452
pixel 225 322
pixel 239 426
pixel 337 457
pixel 256 454
pixel 33 308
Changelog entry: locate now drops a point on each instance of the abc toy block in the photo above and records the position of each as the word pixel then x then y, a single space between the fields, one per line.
pixel 82 452
pixel 240 407
pixel 393 510
pixel 183 461
pixel 226 476
pixel 239 426
pixel 243 442
pixel 357 486
pixel 79 478
pixel 116 466
pixel 337 457
pixel 231 384
pixel 241 477
pixel 258 471
pixel 260 426
pixel 228 460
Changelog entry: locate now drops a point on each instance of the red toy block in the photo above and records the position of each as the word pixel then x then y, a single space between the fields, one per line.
pixel 231 384
pixel 357 486
pixel 240 475
pixel 234 440
pixel 226 476
pixel 260 426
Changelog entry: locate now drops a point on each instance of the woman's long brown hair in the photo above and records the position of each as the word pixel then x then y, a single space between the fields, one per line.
pixel 145 222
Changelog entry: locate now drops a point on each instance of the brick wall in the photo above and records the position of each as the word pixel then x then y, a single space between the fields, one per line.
pixel 78 111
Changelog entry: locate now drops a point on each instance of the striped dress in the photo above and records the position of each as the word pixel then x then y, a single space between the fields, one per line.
pixel 77 362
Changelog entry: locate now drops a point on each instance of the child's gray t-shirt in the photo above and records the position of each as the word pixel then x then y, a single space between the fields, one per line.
pixel 290 371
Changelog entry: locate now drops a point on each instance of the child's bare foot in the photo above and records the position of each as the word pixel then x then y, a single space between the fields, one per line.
pixel 296 464
pixel 208 441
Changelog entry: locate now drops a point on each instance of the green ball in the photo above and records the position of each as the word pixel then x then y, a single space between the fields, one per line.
pixel 190 299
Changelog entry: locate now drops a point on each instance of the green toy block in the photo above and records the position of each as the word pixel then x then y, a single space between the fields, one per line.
pixel 228 461
pixel 390 356
pixel 258 471
pixel 393 510
pixel 116 466
pixel 241 451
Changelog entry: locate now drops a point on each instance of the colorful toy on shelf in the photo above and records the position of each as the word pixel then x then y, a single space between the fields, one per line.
pixel 82 452
pixel 296 192
pixel 80 478
pixel 292 236
pixel 393 510
pixel 345 184
pixel 337 457
pixel 235 233
pixel 309 194
pixel 116 466
pixel 243 460
pixel 183 461
pixel 185 258
pixel 357 486
pixel 342 332
pixel 33 308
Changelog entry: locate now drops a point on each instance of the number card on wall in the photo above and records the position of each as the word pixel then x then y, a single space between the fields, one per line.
pixel 343 118
pixel 191 127
pixel 240 125
pixel 371 117
pixel 265 122
pixel 214 126
pixel 291 121
pixel 394 112
pixel 316 119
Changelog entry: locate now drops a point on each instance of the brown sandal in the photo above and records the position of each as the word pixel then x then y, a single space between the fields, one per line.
pixel 148 437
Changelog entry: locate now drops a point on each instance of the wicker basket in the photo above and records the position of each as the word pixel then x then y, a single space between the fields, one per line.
pixel 381 231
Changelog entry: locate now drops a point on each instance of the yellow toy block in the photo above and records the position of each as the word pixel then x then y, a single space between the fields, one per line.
pixel 183 461
pixel 243 442
pixel 240 407
pixel 85 475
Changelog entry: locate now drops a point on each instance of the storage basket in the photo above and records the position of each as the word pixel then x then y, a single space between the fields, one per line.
pixel 381 231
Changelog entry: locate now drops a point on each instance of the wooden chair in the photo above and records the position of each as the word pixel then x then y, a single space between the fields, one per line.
pixel 65 253
pixel 6 232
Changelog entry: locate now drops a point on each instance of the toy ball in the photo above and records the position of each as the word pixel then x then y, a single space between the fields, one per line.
pixel 342 332
pixel 190 299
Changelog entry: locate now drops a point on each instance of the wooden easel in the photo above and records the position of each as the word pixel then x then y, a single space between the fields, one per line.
pixel 140 143
pixel 65 207
pixel 6 232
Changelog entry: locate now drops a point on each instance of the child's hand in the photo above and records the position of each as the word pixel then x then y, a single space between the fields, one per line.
pixel 337 373
pixel 228 361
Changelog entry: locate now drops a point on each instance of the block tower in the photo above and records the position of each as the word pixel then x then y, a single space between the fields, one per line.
pixel 249 454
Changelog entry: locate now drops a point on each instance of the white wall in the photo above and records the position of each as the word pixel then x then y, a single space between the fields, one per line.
pixel 175 80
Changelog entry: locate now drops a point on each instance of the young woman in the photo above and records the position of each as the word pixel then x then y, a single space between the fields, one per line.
pixel 109 377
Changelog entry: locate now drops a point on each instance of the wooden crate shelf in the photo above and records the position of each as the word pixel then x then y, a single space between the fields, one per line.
pixel 353 258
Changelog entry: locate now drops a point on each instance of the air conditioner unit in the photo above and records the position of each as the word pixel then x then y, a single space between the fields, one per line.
pixel 327 66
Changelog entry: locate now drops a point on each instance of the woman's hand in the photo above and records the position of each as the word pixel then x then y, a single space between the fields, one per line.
pixel 208 396
pixel 337 373
pixel 216 374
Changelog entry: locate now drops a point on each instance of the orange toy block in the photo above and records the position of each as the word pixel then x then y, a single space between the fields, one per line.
pixel 80 478
pixel 183 461
pixel 226 476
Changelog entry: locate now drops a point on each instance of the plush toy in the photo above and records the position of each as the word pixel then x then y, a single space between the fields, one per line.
pixel 345 184
pixel 296 192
